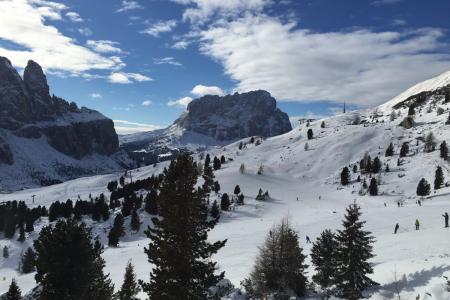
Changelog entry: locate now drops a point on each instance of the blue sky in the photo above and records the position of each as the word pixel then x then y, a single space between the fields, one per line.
pixel 140 62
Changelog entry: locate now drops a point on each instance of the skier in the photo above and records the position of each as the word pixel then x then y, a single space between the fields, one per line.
pixel 446 219
pixel 420 203
pixel 398 203
pixel 308 241
pixel 417 224
pixel 396 228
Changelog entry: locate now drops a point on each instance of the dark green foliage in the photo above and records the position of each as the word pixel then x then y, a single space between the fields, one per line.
pixel 112 185
pixel 10 226
pixel 179 247
pixel 216 187
pixel 323 259
pixel 14 292
pixel 135 221
pixel 390 150
pixel 354 249
pixel 448 119
pixel 130 287
pixel 430 143
pixel 260 195
pixel 423 188
pixel 310 134
pixel 404 149
pixel 216 163
pixel 222 159
pixel 151 204
pixel 241 145
pixel 237 190
pixel 373 187
pixel 208 177
pixel 215 213
pixel 355 168
pixel 21 233
pixel 322 125
pixel 411 111
pixel 225 202
pixel 122 181
pixel 29 221
pixel 345 176
pixel 240 199
pixel 376 165
pixel 408 122
pixel 438 178
pixel 5 252
pixel 28 261
pixel 443 149
pixel 117 231
pixel 68 266
pixel 280 266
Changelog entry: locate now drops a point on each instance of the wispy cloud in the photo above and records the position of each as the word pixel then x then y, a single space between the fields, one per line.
pixel 160 27
pixel 167 61
pixel 74 17
pixel 104 46
pixel 128 127
pixel 129 5
pixel 127 78
pixel 181 103
pixel 147 102
pixel 85 31
pixel 96 96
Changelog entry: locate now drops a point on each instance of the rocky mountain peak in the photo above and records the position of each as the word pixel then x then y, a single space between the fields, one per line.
pixel 36 81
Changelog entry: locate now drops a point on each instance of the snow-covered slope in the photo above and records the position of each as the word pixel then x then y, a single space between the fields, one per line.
pixel 418 259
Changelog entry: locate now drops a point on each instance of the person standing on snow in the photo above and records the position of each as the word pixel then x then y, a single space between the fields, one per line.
pixel 417 224
pixel 308 241
pixel 446 219
pixel 396 228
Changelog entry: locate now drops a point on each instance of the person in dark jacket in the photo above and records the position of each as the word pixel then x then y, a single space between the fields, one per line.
pixel 396 228
pixel 417 224
pixel 446 219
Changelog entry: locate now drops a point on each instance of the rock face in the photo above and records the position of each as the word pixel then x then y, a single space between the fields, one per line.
pixel 235 116
pixel 45 139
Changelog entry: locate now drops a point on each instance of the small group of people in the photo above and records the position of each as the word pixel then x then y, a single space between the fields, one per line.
pixel 417 223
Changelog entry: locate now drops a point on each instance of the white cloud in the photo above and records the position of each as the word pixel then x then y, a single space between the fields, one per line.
pixel 23 23
pixel 181 45
pixel 104 46
pixel 48 9
pixel 160 27
pixel 74 17
pixel 360 66
pixel 202 90
pixel 85 31
pixel 201 10
pixel 127 127
pixel 96 96
pixel 129 5
pixel 183 102
pixel 147 102
pixel 126 78
pixel 167 61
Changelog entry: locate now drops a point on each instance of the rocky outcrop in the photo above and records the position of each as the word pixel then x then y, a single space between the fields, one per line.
pixel 235 116
pixel 27 110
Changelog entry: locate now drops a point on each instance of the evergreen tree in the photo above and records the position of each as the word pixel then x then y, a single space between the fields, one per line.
pixel 310 134
pixel 345 176
pixel 373 187
pixel 376 165
pixel 323 259
pixel 130 287
pixel 404 149
pixel 151 204
pixel 423 188
pixel 438 178
pixel 240 199
pixel 322 125
pixel 117 231
pixel 208 177
pixel 411 111
pixel 29 222
pixel 179 247
pixel 280 266
pixel 215 213
pixel 354 249
pixel 390 150
pixel 14 292
pixel 216 187
pixel 21 233
pixel 237 190
pixel 368 164
pixel 448 120
pixel 225 202
pixel 68 266
pixel 9 228
pixel 222 160
pixel 216 163
pixel 135 221
pixel 430 143
pixel 355 169
pixel 5 252
pixel 443 150
pixel 28 261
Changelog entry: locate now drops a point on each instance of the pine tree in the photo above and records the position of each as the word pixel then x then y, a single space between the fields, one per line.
pixel 390 150
pixel 14 292
pixel 373 187
pixel 222 160
pixel 355 169
pixel 216 163
pixel 215 213
pixel 411 111
pixel 130 287
pixel 135 221
pixel 208 177
pixel 28 261
pixel 430 143
pixel 423 188
pixel 29 222
pixel 448 120
pixel 345 176
pixel 237 190
pixel 310 134
pixel 376 165
pixel 323 259
pixel 9 228
pixel 354 249
pixel 225 202
pixel 21 233
pixel 151 202
pixel 68 266
pixel 322 125
pixel 404 149
pixel 5 252
pixel 443 149
pixel 216 187
pixel 438 178
pixel 280 266
pixel 117 231
pixel 179 247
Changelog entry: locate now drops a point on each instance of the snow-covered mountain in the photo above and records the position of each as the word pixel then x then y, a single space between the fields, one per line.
pixel 211 121
pixel 304 184
pixel 45 139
